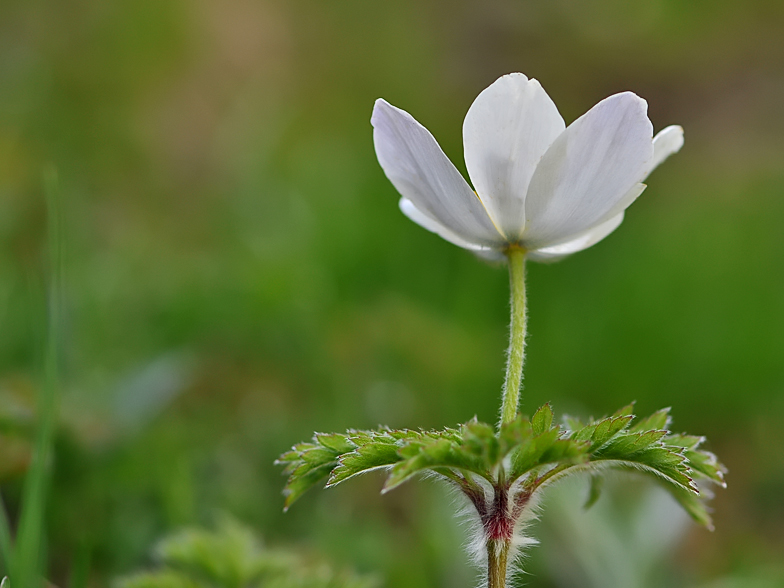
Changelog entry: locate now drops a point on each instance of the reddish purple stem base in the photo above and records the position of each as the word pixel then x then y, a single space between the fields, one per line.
pixel 498 515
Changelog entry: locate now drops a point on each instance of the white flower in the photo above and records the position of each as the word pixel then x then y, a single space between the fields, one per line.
pixel 541 186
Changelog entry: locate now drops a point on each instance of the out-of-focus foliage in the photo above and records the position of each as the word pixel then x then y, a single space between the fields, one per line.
pixel 238 274
pixel 233 557
pixel 762 578
pixel 15 433
pixel 624 541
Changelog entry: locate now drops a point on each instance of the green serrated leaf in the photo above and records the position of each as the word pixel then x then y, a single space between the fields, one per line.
pixel 318 456
pixel 454 435
pixel 542 419
pixel 335 441
pixel 608 428
pixel 626 444
pixel 565 450
pixel 480 439
pixel 675 460
pixel 395 435
pixel 514 433
pixel 476 431
pixel 585 433
pixel 667 462
pixel 301 482
pixel 528 455
pixel 685 441
pixel 706 463
pixel 625 410
pixel 307 463
pixel 573 424
pixel 644 450
pixel 535 448
pixel 651 437
pixel 370 455
pixel 439 453
pixel 288 457
pixel 660 461
pixel 658 420
pixel 693 504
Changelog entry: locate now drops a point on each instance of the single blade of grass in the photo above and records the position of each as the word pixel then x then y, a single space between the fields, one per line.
pixel 28 561
pixel 80 566
pixel 6 542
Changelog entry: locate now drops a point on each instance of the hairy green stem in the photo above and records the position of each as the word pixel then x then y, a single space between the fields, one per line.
pixel 497 554
pixel 516 355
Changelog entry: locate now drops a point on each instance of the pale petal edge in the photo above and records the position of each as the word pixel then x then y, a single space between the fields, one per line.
pixel 666 142
pixel 588 171
pixel 417 166
pixel 506 131
pixel 587 239
pixel 426 222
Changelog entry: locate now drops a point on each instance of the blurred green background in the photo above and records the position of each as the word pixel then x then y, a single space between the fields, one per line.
pixel 238 274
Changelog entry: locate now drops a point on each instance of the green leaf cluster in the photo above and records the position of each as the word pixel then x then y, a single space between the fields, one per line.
pixel 535 451
pixel 677 460
pixel 463 455
pixel 233 557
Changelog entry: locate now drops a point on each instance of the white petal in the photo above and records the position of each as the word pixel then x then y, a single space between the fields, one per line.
pixel 491 255
pixel 616 212
pixel 625 202
pixel 590 237
pixel 508 128
pixel 588 170
pixel 666 142
pixel 422 173
pixel 423 220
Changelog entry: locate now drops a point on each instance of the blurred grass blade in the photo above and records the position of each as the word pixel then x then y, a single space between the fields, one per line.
pixel 80 567
pixel 29 554
pixel 6 543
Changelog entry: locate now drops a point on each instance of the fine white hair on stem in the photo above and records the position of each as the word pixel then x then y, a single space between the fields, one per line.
pixel 477 511
pixel 520 540
pixel 476 544
pixel 468 517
